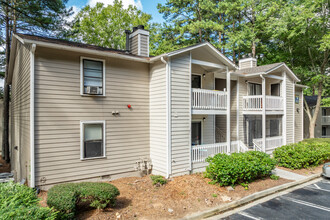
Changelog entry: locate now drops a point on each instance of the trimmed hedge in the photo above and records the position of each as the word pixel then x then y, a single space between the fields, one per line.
pixel 65 197
pixel 304 154
pixel 239 168
pixel 21 202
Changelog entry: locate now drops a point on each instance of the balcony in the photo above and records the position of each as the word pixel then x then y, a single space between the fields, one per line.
pixel 208 101
pixel 326 120
pixel 254 103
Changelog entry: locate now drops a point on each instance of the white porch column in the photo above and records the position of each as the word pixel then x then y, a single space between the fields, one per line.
pixel 263 113
pixel 228 111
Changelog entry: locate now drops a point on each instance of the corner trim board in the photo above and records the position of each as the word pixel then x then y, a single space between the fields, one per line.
pixel 32 90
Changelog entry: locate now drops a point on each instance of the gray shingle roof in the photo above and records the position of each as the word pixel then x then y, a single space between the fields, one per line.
pixel 258 69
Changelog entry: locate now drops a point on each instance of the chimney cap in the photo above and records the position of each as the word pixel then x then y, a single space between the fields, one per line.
pixel 140 27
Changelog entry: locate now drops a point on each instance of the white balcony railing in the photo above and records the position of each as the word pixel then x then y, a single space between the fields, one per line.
pixel 271 142
pixel 201 152
pixel 208 99
pixel 326 119
pixel 254 102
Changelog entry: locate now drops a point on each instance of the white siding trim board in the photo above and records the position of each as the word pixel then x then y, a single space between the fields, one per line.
pixel 32 147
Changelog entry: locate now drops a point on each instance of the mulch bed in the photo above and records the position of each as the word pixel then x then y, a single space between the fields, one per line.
pixel 182 195
pixel 305 171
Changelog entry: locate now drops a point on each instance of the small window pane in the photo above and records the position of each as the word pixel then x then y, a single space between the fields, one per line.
pixel 93 132
pixel 93 140
pixel 93 73
pixel 92 82
pixel 95 65
pixel 275 89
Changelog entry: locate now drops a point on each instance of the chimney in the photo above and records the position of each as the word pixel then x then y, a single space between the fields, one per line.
pixel 248 62
pixel 138 41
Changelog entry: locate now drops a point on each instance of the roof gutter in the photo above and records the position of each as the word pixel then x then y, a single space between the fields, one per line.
pixel 87 51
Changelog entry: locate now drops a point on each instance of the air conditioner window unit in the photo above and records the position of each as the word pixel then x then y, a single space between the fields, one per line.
pixel 93 90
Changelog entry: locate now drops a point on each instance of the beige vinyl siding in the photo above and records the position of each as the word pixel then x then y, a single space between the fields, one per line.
pixel 59 108
pixel 180 111
pixel 298 116
pixel 144 51
pixel 242 92
pixel 245 65
pixel 134 45
pixel 20 114
pixel 158 119
pixel 289 110
pixel 233 111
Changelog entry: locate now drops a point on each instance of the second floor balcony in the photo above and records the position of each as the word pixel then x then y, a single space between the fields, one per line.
pixel 208 100
pixel 255 103
pixel 325 119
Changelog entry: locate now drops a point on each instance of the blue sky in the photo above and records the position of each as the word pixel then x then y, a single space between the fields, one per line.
pixel 148 6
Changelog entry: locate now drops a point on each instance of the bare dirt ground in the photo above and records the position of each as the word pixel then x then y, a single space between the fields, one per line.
pixel 183 195
pixel 305 172
pixel 5 168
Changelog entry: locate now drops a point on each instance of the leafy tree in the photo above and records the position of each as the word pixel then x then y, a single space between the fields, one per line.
pixel 302 34
pixel 43 17
pixel 105 26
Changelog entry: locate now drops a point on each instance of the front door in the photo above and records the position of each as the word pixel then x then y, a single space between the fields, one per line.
pixel 254 130
pixel 196 133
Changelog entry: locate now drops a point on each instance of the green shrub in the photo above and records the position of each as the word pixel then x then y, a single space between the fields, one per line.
pixel 158 180
pixel 239 168
pixel 65 197
pixel 21 202
pixel 274 177
pixel 302 155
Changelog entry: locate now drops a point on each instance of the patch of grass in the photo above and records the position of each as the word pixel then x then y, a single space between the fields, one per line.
pixel 158 180
pixel 214 195
pixel 274 177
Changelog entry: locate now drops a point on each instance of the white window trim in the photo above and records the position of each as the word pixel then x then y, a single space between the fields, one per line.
pixel 82 76
pixel 202 125
pixel 82 139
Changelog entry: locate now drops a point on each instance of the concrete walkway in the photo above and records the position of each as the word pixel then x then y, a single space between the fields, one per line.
pixel 287 174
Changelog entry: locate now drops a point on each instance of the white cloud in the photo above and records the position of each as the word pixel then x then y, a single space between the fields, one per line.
pixel 126 3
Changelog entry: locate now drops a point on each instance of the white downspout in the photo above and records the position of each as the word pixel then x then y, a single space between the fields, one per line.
pixel 228 111
pixel 32 154
pixel 168 117
pixel 263 113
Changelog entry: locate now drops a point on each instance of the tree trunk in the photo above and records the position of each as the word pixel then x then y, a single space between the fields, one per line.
pixel 5 134
pixel 316 112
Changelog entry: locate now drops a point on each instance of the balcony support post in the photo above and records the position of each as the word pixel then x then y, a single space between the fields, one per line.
pixel 228 111
pixel 263 113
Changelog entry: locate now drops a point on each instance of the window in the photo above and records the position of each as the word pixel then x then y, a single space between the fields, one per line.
pixel 196 81
pixel 196 133
pixel 92 139
pixel 92 75
pixel 275 89
pixel 254 89
pixel 324 131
